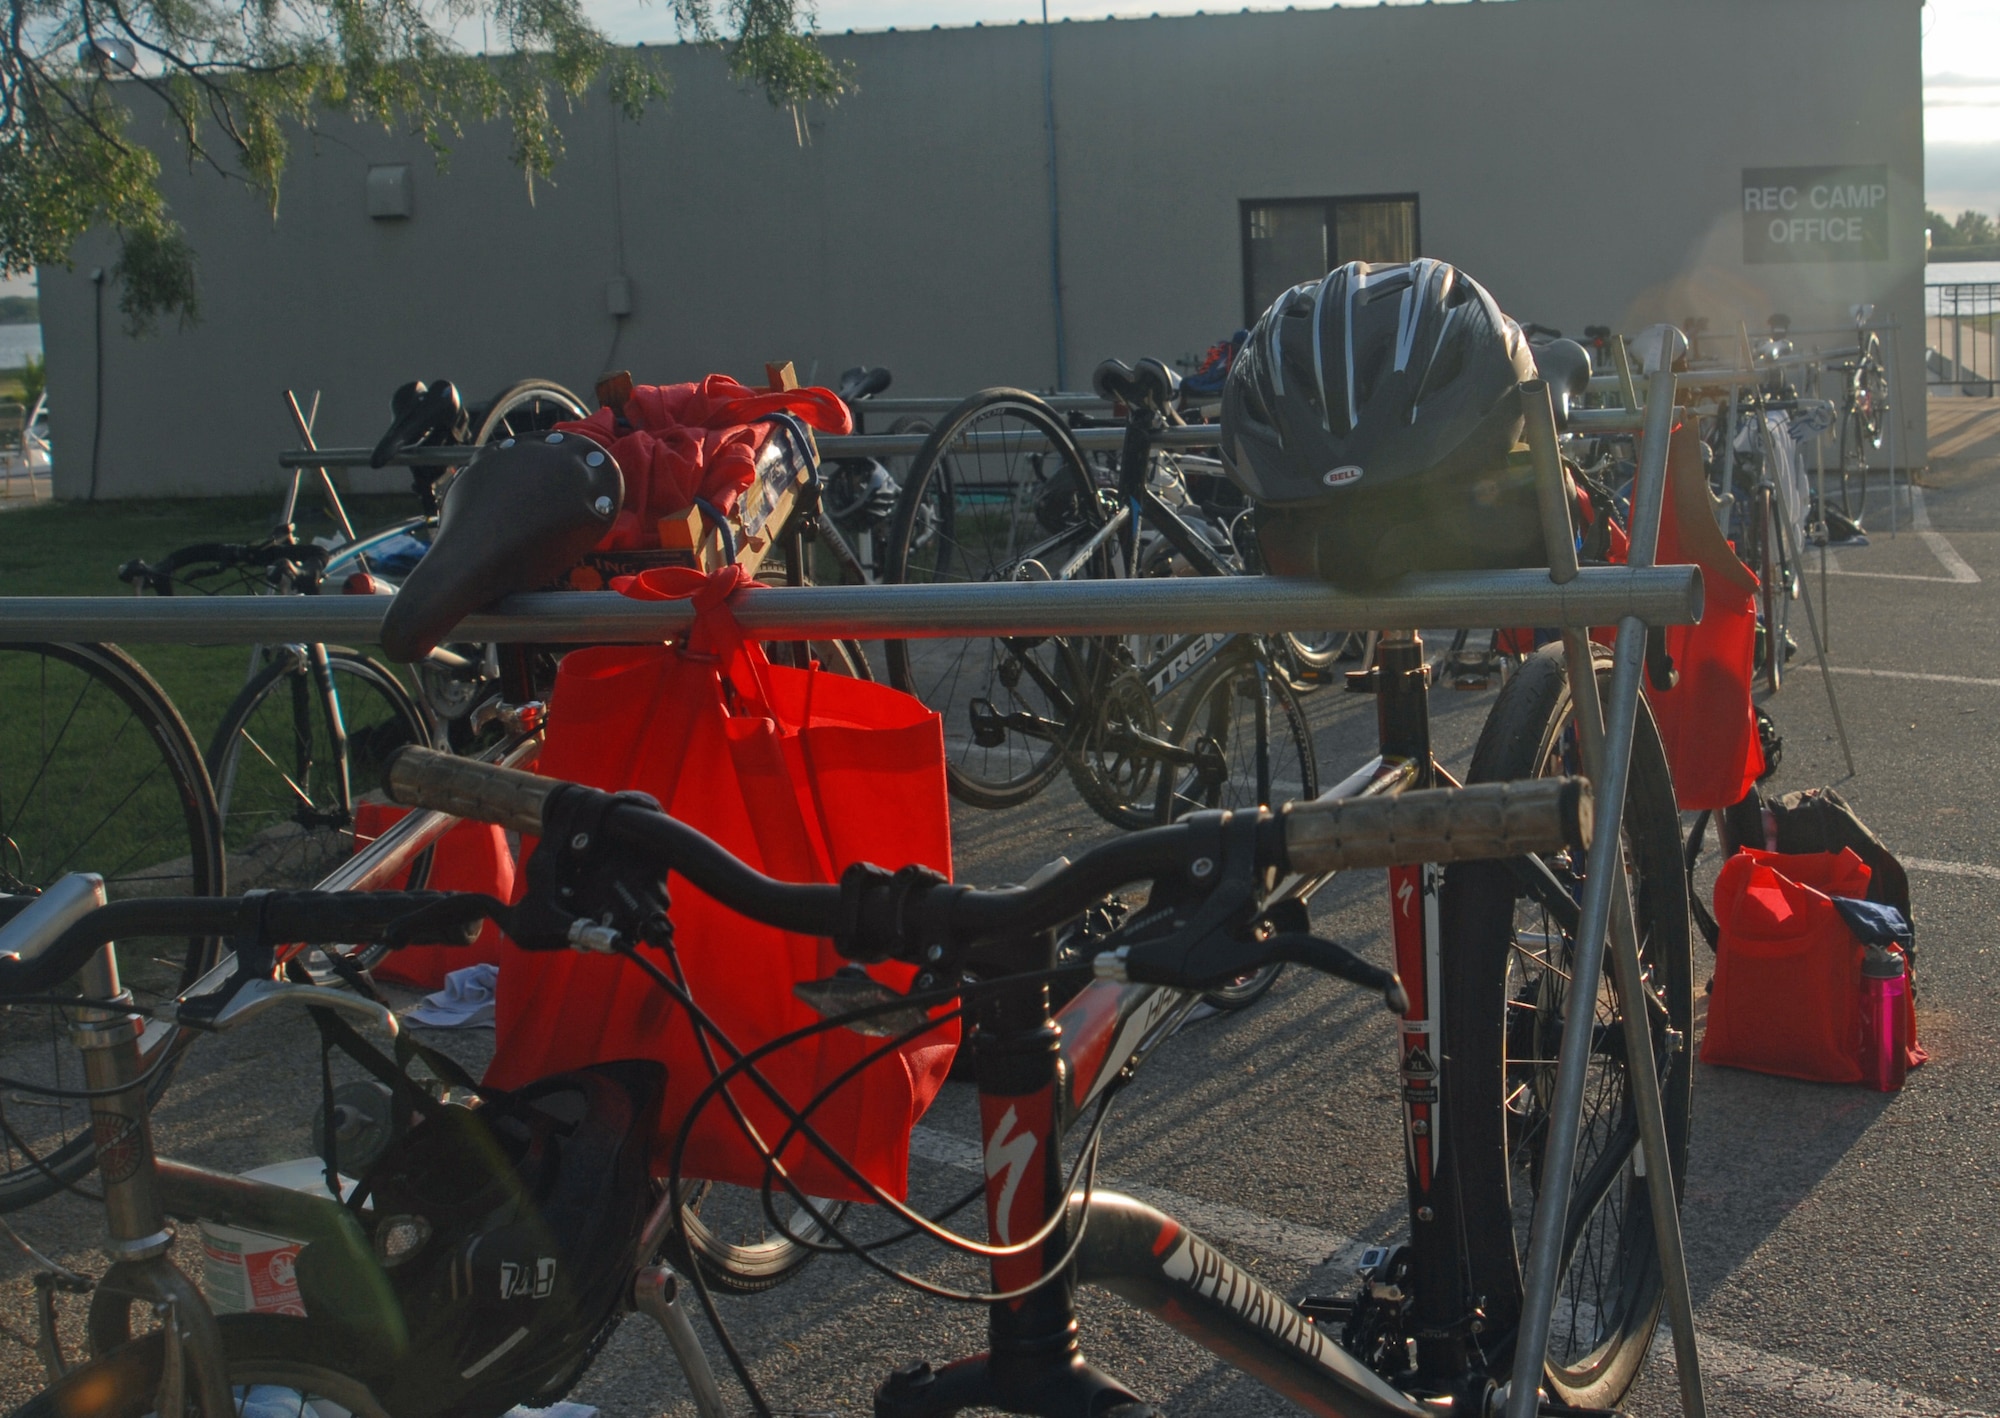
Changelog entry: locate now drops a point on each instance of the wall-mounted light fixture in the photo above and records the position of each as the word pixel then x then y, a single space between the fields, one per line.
pixel 389 191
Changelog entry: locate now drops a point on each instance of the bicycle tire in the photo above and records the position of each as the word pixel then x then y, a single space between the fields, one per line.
pixel 736 1266
pixel 1211 709
pixel 97 764
pixel 284 1353
pixel 945 532
pixel 275 777
pixel 1771 590
pixel 1503 1008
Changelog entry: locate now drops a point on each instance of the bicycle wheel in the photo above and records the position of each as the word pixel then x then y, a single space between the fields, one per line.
pixel 728 1235
pixel 285 820
pixel 1505 970
pixel 999 492
pixel 98 773
pixel 1862 422
pixel 276 1365
pixel 1772 598
pixel 1253 748
pixel 523 407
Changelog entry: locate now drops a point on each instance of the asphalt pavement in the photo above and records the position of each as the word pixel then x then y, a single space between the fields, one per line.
pixel 1844 1245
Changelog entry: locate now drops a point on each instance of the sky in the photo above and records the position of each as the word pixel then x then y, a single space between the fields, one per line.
pixel 1961 71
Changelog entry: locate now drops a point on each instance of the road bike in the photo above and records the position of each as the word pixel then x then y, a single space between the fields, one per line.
pixel 1001 492
pixel 98 769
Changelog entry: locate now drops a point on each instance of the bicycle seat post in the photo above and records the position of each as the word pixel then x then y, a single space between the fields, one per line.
pixel 109 1042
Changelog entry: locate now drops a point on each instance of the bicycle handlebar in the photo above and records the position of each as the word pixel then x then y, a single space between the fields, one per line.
pixel 30 963
pixel 1429 825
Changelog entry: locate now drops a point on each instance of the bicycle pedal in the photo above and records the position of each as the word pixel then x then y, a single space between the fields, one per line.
pixel 1368 681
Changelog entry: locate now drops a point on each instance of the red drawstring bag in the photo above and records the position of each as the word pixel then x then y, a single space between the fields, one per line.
pixel 1787 995
pixel 473 856
pixel 798 772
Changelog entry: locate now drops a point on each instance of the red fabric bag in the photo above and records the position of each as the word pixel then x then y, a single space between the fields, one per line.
pixel 798 772
pixel 1707 721
pixel 1787 996
pixel 473 856
pixel 679 442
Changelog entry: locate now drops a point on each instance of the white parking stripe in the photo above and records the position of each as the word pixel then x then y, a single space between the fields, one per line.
pixel 1810 668
pixel 1948 557
pixel 1920 523
pixel 1815 1388
pixel 1952 868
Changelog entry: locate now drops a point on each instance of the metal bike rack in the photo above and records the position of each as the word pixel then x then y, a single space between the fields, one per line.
pixel 1605 909
pixel 1669 595
pixel 831 446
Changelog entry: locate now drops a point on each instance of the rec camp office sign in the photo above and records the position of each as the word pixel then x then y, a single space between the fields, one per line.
pixel 1793 214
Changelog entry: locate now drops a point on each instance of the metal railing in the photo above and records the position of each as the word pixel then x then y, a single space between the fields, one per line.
pixel 1960 320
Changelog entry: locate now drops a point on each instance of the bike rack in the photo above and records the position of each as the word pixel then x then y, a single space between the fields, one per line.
pixel 1573 598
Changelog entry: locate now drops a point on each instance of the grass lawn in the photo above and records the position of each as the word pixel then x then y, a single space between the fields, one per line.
pixel 76 548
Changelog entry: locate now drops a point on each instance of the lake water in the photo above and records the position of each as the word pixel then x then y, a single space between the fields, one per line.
pixel 1943 273
pixel 17 342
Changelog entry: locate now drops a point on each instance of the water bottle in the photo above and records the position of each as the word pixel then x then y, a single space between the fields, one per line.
pixel 1885 993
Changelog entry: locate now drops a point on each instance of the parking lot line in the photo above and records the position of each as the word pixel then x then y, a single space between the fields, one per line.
pixel 1813 1388
pixel 1958 572
pixel 1952 868
pixel 1824 1390
pixel 1809 668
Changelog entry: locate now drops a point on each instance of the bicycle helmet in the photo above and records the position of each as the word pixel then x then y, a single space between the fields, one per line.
pixel 507 1233
pixel 1370 416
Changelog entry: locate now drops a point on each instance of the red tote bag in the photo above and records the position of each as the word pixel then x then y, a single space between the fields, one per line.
pixel 1787 997
pixel 798 772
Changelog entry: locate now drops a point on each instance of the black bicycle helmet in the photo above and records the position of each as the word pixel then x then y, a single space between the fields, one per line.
pixel 508 1234
pixel 1370 417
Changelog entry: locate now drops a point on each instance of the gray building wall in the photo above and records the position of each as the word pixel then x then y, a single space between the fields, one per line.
pixel 1581 157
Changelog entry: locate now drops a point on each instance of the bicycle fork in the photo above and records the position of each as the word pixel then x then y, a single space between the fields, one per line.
pixel 192 1366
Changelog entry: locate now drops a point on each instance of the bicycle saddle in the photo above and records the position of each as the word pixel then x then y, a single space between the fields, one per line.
pixel 861 382
pixel 1566 366
pixel 523 512
pixel 420 411
pixel 1151 385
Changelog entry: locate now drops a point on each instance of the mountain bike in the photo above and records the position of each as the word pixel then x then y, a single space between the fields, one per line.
pixel 1435 1316
pixel 1000 491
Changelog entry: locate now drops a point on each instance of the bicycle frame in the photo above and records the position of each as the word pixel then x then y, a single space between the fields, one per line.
pixel 1038 1071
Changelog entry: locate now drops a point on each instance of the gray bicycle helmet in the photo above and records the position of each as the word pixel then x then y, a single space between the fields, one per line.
pixel 1370 417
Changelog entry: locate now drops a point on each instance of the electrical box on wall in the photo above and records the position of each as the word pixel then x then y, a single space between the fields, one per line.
pixel 389 191
pixel 618 296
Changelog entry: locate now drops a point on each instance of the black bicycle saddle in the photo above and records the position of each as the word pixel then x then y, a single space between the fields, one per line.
pixel 861 382
pixel 520 514
pixel 420 412
pixel 1566 366
pixel 1149 385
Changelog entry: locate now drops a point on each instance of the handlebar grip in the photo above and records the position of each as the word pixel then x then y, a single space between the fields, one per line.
pixel 423 777
pixel 1489 820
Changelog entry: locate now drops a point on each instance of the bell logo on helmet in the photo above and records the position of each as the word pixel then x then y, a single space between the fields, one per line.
pixel 1341 476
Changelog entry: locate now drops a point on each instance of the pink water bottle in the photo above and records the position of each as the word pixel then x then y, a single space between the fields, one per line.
pixel 1885 991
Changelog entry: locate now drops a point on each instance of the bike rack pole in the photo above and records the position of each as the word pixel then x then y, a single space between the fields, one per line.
pixel 1605 869
pixel 1600 595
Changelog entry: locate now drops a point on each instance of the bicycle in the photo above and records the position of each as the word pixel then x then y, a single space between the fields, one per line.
pixel 1863 412
pixel 1472 1118
pixel 195 1361
pixel 1000 491
pixel 96 765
